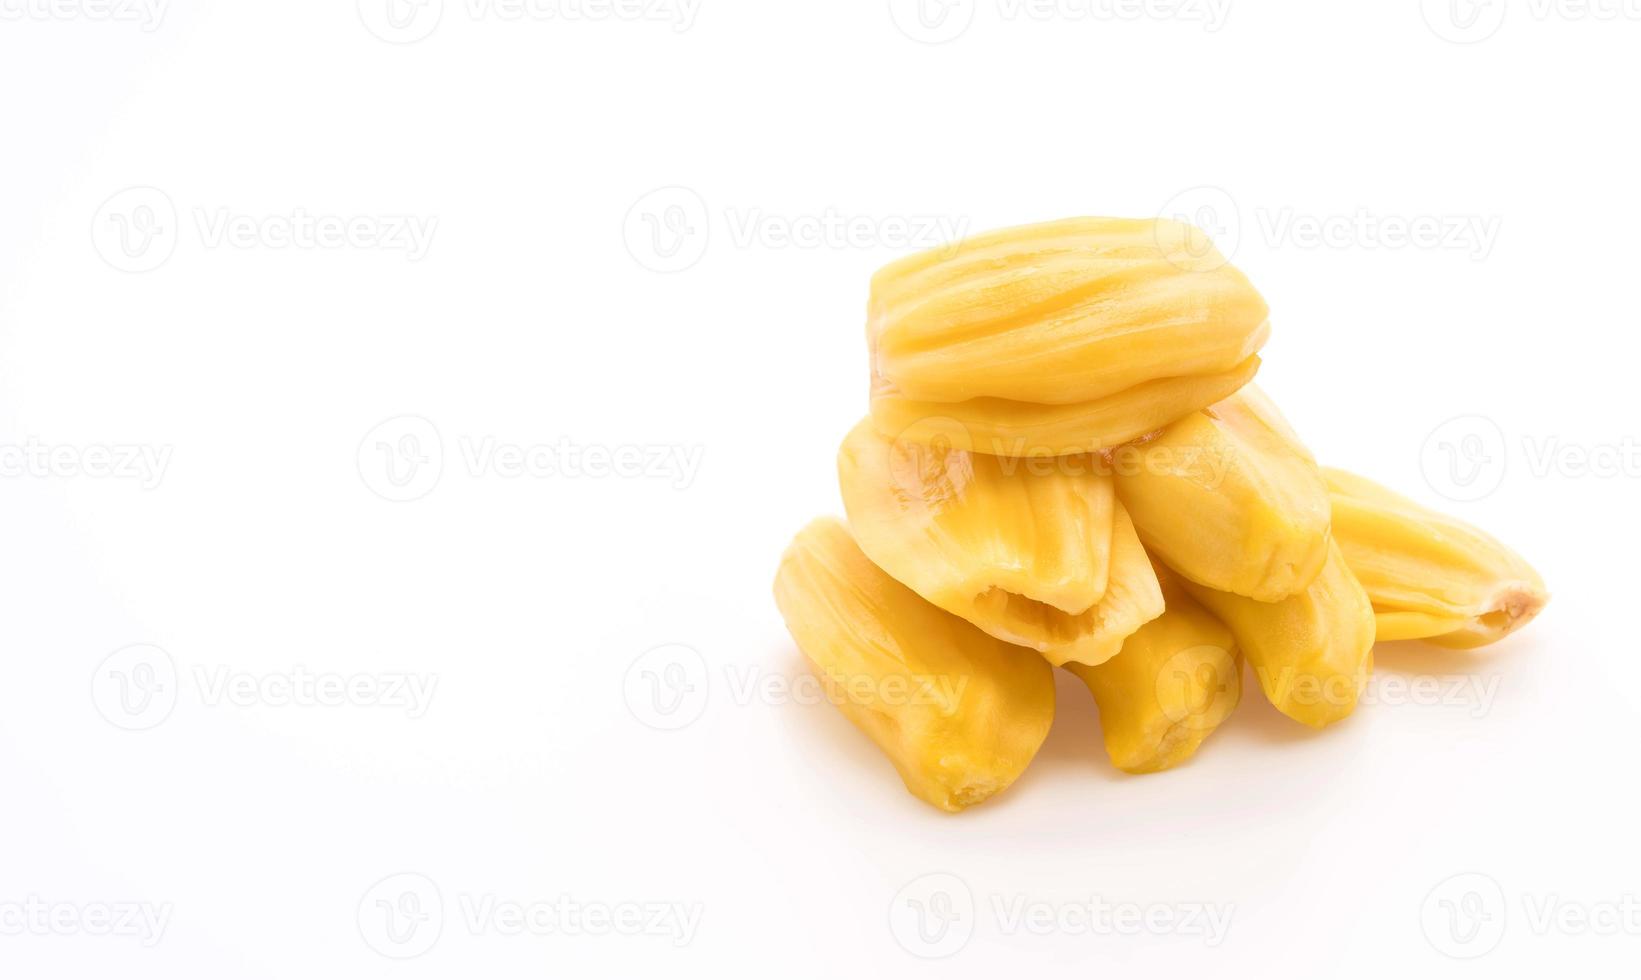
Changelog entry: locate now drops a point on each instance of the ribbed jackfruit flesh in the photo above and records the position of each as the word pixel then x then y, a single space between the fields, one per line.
pixel 1430 576
pixel 1229 498
pixel 1312 652
pixel 1027 429
pixel 959 713
pixel 1057 333
pixel 1036 552
pixel 1177 678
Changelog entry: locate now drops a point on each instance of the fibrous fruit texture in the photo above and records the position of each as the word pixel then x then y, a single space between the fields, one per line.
pixel 1231 499
pixel 1063 337
pixel 1035 552
pixel 1430 577
pixel 1312 652
pixel 958 712
pixel 1066 464
pixel 1177 678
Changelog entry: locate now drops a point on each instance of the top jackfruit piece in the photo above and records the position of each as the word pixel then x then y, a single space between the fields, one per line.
pixel 1036 552
pixel 958 712
pixel 1230 498
pixel 1063 337
pixel 1430 577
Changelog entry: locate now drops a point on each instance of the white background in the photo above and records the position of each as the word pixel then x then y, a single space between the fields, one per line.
pixel 272 374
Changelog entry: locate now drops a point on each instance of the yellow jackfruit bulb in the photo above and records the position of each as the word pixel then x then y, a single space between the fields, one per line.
pixel 1230 499
pixel 1312 652
pixel 1063 337
pixel 1036 552
pixel 1430 577
pixel 1012 428
pixel 958 712
pixel 1174 682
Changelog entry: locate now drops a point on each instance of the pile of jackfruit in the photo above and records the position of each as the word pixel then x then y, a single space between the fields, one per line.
pixel 1066 465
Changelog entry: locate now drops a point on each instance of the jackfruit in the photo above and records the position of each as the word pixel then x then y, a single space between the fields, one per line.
pixel 959 713
pixel 1036 552
pixel 1028 429
pixel 1063 337
pixel 1230 499
pixel 1313 651
pixel 1429 576
pixel 1174 682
